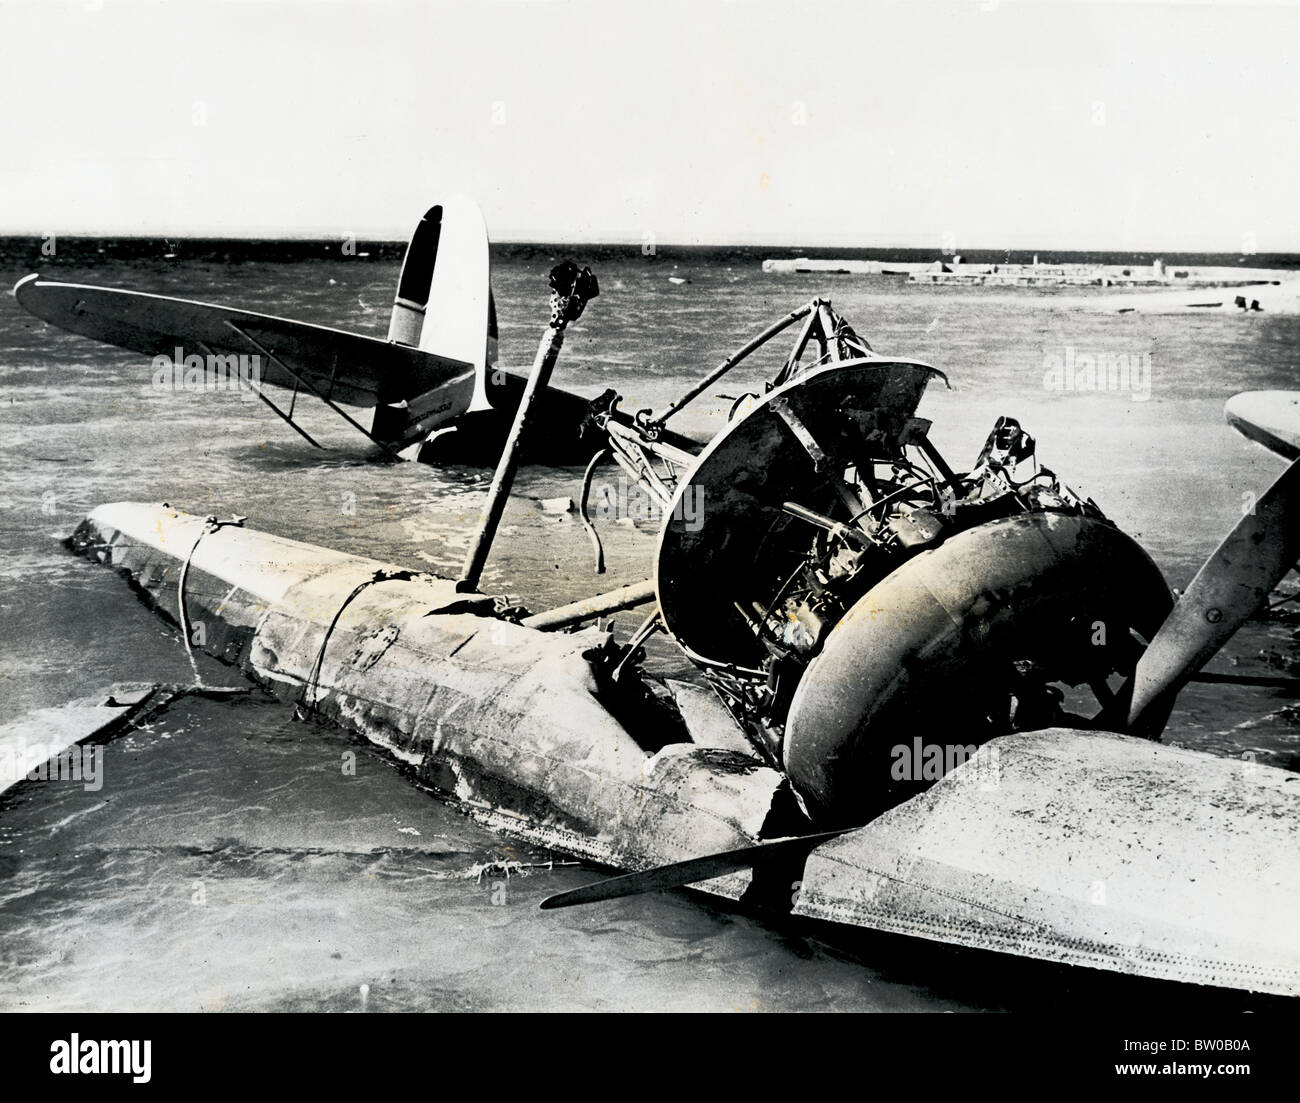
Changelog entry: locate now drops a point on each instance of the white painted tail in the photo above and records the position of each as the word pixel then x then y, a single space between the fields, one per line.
pixel 444 306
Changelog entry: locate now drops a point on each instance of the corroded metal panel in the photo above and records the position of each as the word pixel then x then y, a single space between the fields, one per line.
pixel 510 722
pixel 1089 849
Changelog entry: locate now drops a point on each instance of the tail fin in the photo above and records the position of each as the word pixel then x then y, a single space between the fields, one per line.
pixel 444 306
pixel 414 283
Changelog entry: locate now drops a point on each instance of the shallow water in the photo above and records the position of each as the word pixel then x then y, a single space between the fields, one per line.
pixel 229 861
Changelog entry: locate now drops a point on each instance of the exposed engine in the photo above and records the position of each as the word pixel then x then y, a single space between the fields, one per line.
pixel 900 509
pixel 847 588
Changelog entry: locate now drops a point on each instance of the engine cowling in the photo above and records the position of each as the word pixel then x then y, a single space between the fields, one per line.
pixel 939 647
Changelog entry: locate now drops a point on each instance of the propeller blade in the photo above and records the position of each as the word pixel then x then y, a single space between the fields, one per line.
pixel 688 872
pixel 1232 585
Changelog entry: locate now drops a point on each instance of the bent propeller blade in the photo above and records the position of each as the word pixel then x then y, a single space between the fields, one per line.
pixel 688 872
pixel 1231 585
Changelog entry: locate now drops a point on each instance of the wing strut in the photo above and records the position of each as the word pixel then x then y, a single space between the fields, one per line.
pixel 279 412
pixel 306 383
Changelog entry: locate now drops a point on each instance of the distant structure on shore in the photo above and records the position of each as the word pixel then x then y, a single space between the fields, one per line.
pixel 954 271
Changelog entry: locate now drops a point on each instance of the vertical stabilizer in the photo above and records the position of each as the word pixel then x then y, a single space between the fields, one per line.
pixel 443 306
pixel 458 319
pixel 412 297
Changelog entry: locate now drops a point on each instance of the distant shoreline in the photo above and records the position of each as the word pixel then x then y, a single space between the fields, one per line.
pixel 32 252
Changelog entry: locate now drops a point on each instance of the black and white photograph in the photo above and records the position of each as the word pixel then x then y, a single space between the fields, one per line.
pixel 561 506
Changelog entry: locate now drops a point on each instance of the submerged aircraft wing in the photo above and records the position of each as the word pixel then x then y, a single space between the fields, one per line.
pixel 335 365
pixel 1270 418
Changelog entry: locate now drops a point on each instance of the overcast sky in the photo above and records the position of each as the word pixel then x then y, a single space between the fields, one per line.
pixel 1109 125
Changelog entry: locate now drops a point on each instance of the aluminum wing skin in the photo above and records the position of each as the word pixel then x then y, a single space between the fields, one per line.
pixel 340 366
pixel 1086 848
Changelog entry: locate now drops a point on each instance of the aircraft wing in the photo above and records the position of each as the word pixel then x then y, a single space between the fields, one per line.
pixel 342 367
pixel 1270 418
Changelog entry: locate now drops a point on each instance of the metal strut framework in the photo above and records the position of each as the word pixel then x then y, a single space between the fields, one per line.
pixel 634 442
pixel 300 380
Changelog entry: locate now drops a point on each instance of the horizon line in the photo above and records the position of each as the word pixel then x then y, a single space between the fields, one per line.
pixel 636 244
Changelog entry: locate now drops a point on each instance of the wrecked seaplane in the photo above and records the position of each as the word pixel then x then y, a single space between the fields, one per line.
pixel 846 592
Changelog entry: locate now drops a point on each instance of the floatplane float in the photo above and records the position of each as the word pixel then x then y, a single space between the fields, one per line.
pixel 844 593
